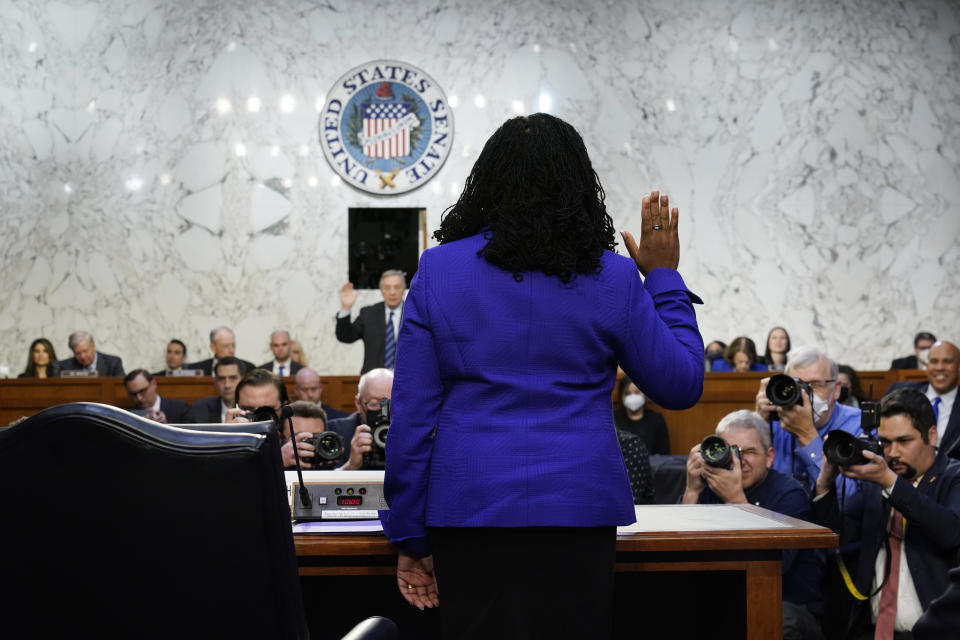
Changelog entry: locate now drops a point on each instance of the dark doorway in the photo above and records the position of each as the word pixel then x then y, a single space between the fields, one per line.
pixel 380 239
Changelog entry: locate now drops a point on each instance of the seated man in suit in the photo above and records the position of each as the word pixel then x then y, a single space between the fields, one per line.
pixel 282 364
pixel 176 354
pixel 943 371
pixel 213 410
pixel 752 480
pixel 309 387
pixel 142 389
pixel 86 357
pixel 223 343
pixel 798 429
pixel 355 430
pixel 909 505
pixel 377 325
pixel 921 347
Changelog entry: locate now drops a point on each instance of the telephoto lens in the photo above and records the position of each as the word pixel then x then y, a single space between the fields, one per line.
pixel 844 450
pixel 784 391
pixel 717 453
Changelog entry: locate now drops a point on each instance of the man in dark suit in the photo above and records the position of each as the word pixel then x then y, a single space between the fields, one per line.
pixel 906 517
pixel 921 344
pixel 281 365
pixel 943 370
pixel 213 410
pixel 378 324
pixel 87 358
pixel 142 389
pixel 309 387
pixel 223 343
pixel 374 385
pixel 176 355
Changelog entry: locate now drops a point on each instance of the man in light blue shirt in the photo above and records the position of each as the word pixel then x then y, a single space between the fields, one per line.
pixel 798 430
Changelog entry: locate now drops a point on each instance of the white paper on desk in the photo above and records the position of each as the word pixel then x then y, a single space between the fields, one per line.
pixel 339 526
pixel 696 517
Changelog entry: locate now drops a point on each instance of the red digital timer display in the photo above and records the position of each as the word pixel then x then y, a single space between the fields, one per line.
pixel 349 501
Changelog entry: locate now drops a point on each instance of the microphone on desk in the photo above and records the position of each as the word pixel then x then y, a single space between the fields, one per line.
pixel 286 413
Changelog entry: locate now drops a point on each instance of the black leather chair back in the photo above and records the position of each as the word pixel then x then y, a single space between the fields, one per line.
pixel 116 526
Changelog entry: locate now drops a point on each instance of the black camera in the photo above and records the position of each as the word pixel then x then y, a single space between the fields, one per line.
pixel 379 423
pixel 716 452
pixel 784 391
pixel 328 446
pixel 844 450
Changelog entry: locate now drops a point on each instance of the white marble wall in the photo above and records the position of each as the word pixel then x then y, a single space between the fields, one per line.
pixel 811 146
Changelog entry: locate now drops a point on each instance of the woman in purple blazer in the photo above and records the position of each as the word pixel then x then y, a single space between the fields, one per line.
pixel 504 475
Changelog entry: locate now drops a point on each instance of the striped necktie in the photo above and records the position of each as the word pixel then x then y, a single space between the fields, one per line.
pixel 390 346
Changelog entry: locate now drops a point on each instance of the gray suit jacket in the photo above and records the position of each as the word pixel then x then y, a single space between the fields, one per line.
pixel 107 365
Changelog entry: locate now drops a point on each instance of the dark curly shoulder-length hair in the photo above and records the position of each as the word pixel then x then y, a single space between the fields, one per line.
pixel 534 190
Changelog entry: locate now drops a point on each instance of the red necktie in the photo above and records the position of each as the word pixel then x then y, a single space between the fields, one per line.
pixel 887 613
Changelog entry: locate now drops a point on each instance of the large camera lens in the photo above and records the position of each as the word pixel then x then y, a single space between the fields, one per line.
pixel 716 452
pixel 844 450
pixel 329 445
pixel 380 436
pixel 783 391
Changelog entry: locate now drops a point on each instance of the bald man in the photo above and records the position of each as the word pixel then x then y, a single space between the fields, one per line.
pixel 282 364
pixel 309 387
pixel 943 369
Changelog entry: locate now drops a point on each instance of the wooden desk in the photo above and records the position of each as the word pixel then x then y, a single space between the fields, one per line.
pixel 753 552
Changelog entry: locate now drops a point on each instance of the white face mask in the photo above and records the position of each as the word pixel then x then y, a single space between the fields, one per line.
pixel 923 356
pixel 634 401
pixel 820 407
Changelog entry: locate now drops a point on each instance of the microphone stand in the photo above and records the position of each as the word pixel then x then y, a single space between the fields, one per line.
pixel 287 412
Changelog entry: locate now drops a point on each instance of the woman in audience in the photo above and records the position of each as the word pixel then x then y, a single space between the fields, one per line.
pixel 740 356
pixel 778 346
pixel 41 360
pixel 633 418
pixel 851 391
pixel 713 352
pixel 296 352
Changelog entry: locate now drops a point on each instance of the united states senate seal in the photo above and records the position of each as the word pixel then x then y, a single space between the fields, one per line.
pixel 386 127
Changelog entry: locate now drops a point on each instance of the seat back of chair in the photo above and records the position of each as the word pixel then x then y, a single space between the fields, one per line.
pixel 116 526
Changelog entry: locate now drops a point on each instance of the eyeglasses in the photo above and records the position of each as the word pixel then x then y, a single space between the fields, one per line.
pixel 134 394
pixel 820 385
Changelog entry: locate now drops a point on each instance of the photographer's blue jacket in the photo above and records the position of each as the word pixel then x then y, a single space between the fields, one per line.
pixel 803 463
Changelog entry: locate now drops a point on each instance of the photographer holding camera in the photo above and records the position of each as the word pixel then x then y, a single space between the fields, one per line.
pixel 356 429
pixel 736 468
pixel 908 510
pixel 798 426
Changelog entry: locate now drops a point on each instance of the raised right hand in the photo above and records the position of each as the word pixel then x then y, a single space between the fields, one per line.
pixel 660 246
pixel 348 296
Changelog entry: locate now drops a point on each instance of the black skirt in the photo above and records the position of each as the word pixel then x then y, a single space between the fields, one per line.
pixel 525 583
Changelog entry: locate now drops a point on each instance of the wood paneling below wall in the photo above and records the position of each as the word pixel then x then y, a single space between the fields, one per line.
pixel 722 393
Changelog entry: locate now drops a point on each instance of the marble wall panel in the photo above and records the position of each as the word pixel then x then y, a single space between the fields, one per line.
pixel 160 172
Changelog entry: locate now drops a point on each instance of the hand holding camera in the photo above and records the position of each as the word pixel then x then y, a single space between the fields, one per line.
pixel 722 469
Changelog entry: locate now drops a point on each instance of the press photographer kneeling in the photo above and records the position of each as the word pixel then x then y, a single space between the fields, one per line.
pixel 908 510
pixel 735 466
